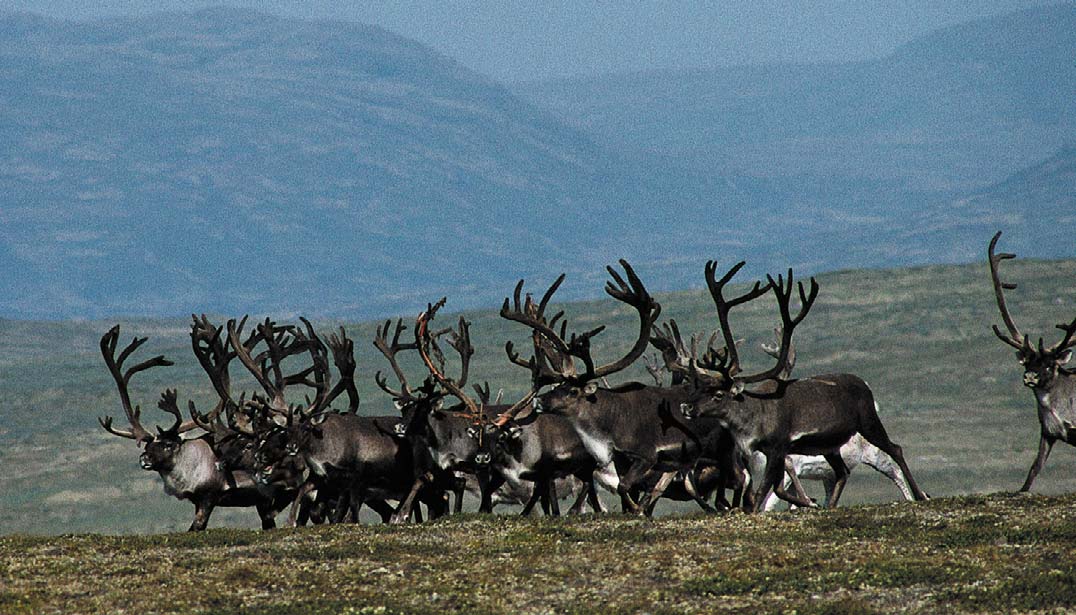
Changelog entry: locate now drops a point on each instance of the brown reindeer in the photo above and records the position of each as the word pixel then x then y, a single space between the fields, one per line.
pixel 778 417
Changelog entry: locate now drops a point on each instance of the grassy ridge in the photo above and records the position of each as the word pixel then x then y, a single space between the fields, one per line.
pixel 972 554
pixel 949 392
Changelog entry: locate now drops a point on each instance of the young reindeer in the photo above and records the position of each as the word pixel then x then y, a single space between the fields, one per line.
pixel 631 427
pixel 1054 385
pixel 812 416
pixel 190 468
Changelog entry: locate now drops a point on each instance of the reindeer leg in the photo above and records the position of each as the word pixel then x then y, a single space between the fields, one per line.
pixel 794 479
pixel 841 471
pixel 536 495
pixel 554 500
pixel 582 497
pixel 692 488
pixel 884 464
pixel 403 511
pixel 459 485
pixel 650 500
pixel 592 495
pixel 1045 446
pixel 267 514
pixel 630 481
pixel 300 495
pixel 202 509
pixel 487 487
pixel 875 434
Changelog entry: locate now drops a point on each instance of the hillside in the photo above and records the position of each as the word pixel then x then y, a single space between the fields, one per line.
pixel 1002 553
pixel 229 161
pixel 949 392
pixel 225 158
pixel 957 109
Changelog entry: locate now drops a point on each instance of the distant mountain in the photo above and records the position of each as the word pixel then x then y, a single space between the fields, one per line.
pixel 954 110
pixel 229 160
pixel 1035 207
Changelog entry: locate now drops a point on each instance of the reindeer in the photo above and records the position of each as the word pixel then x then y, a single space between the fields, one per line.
pixel 813 467
pixel 1045 373
pixel 190 468
pixel 813 416
pixel 631 427
pixel 451 438
pixel 357 458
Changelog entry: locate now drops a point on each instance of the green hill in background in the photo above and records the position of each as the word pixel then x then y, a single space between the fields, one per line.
pixel 949 392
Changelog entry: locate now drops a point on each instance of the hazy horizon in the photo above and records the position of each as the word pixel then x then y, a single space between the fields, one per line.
pixel 519 41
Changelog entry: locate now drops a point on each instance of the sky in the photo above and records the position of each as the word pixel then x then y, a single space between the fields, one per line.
pixel 517 40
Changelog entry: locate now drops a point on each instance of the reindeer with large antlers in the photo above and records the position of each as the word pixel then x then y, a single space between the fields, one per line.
pixel 631 427
pixel 455 439
pixel 316 448
pixel 778 417
pixel 190 468
pixel 1044 371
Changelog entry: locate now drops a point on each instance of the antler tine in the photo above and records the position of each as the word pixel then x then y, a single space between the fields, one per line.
pixel 423 340
pixel 275 396
pixel 999 293
pixel 534 318
pixel 788 322
pixel 723 306
pixel 634 294
pixel 774 351
pixel 343 349
pixel 1067 341
pixel 483 393
pixel 122 378
pixel 655 368
pixel 168 403
pixel 389 350
pixel 319 369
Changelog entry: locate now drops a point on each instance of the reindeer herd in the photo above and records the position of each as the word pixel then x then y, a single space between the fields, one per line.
pixel 714 429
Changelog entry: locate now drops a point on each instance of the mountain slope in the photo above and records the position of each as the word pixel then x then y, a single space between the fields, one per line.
pixel 225 158
pixel 954 110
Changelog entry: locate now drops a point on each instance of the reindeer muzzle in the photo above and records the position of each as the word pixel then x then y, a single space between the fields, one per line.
pixel 1031 379
pixel 482 459
pixel 146 462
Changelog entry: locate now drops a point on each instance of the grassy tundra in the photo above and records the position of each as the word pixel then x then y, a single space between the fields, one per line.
pixel 965 554
pixel 949 392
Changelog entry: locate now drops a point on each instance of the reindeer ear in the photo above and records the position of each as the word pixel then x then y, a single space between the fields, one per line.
pixel 398 403
pixel 590 389
pixel 1064 357
pixel 514 432
pixel 737 388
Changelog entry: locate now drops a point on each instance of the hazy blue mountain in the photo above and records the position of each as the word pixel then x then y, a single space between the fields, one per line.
pixel 954 110
pixel 225 158
pixel 231 162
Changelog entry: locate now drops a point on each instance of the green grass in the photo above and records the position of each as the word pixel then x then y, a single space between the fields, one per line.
pixel 949 391
pixel 1002 552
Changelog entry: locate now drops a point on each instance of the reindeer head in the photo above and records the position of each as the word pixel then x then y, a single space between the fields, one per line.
pixel 555 353
pixel 1041 363
pixel 715 377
